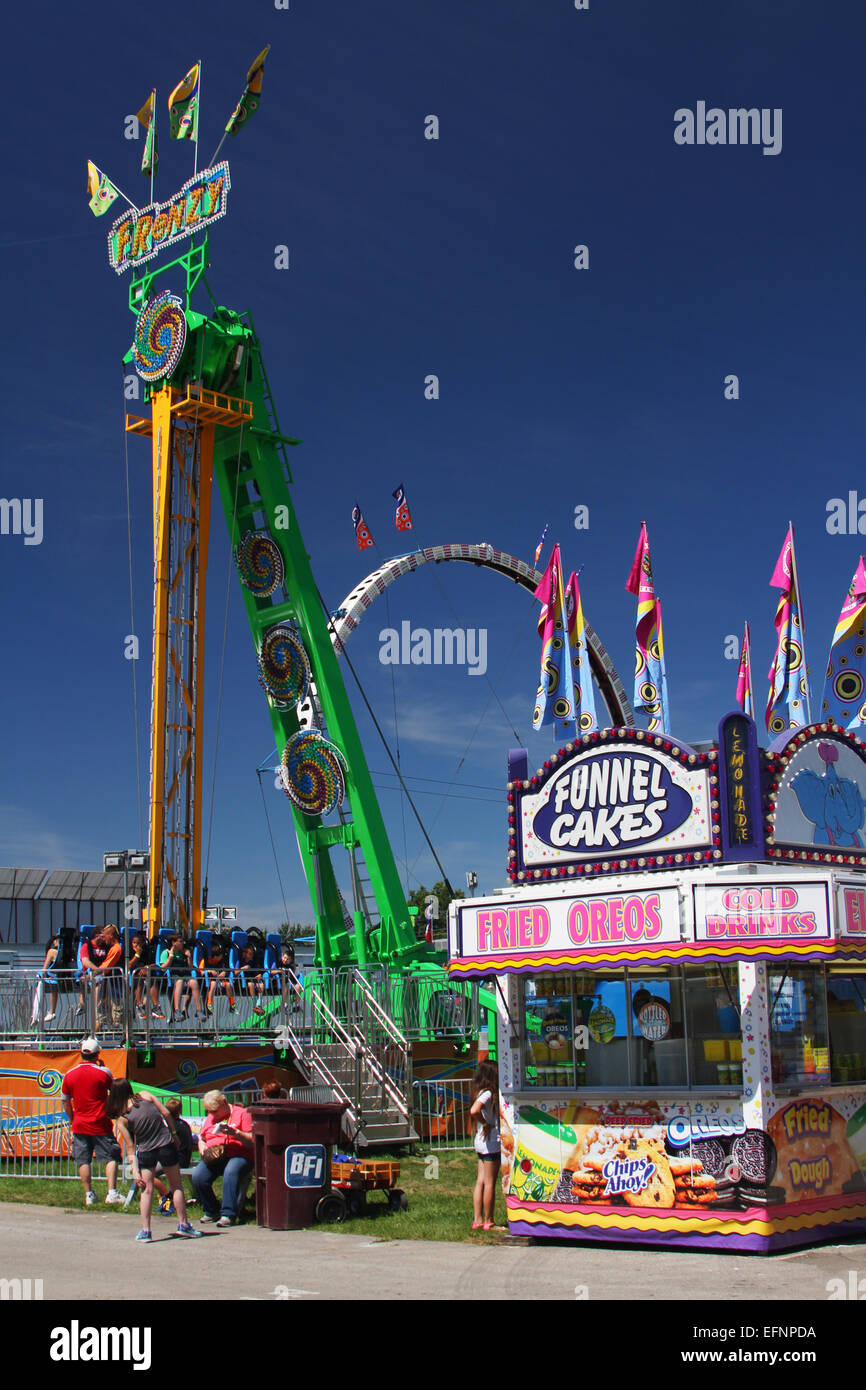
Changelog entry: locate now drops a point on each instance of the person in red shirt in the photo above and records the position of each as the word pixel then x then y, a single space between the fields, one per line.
pixel 85 1091
pixel 226 1146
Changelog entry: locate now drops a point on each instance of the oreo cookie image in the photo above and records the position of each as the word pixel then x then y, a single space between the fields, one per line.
pixel 711 1156
pixel 755 1155
pixel 761 1196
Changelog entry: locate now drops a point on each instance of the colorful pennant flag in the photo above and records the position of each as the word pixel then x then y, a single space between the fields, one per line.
pixel 147 118
pixel 403 520
pixel 362 531
pixel 788 704
pixel 554 701
pixel 183 106
pixel 249 102
pixel 745 694
pixel 586 720
pixel 844 699
pixel 540 546
pixel 650 681
pixel 102 191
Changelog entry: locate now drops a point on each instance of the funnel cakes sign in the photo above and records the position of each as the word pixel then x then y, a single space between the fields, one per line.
pixel 626 799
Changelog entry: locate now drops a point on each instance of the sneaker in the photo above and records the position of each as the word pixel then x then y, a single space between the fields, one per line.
pixel 259 1012
pixel 79 1011
pixel 226 1221
pixel 186 1228
pixel 48 1018
pixel 206 1219
pixel 233 1008
pixel 113 1198
pixel 90 1199
pixel 144 1235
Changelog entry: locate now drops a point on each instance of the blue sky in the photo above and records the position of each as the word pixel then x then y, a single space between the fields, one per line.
pixel 558 387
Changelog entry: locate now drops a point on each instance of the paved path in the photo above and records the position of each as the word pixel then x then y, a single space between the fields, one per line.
pixel 78 1252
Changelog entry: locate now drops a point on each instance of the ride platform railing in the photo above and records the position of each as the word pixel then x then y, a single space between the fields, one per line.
pixel 55 1009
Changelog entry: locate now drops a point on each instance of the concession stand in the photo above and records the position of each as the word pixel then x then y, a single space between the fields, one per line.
pixel 680 961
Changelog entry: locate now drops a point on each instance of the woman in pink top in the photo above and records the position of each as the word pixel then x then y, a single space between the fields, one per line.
pixel 226 1147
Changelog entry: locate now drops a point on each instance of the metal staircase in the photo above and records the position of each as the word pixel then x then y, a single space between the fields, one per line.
pixel 363 1059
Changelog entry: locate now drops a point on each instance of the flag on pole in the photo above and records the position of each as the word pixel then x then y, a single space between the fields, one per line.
pixel 403 520
pixel 183 106
pixel 844 699
pixel 745 695
pixel 102 191
pixel 554 701
pixel 586 720
pixel 540 546
pixel 788 705
pixel 650 681
pixel 249 102
pixel 362 531
pixel 147 118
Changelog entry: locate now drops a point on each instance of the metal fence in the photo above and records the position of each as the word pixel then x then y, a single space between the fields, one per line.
pixel 425 1006
pixel 56 1008
pixel 441 1113
pixel 36 1141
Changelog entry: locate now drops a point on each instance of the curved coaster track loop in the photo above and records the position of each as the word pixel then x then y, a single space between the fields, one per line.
pixel 350 612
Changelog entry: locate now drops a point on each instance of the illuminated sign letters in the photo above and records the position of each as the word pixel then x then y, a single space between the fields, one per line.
pixel 137 236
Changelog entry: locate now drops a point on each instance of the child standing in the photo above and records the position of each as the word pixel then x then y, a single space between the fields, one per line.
pixel 485 1112
pixel 145 1123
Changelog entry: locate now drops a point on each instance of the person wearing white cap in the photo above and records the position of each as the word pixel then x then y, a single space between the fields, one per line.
pixel 85 1090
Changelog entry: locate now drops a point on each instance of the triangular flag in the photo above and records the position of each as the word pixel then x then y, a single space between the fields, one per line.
pixel 650 681
pixel 745 694
pixel 183 106
pixel 102 191
pixel 403 520
pixel 844 698
pixel 586 719
pixel 788 705
pixel 362 531
pixel 554 701
pixel 249 102
pixel 147 118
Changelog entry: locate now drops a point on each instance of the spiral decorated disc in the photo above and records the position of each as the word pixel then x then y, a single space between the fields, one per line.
pixel 260 564
pixel 160 334
pixel 284 665
pixel 313 773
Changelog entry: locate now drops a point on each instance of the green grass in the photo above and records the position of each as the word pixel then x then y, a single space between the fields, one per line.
pixel 438 1186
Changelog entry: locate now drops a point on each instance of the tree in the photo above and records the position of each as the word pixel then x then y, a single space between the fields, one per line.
pixel 443 897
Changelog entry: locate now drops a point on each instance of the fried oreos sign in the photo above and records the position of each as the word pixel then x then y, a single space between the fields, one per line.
pixel 618 801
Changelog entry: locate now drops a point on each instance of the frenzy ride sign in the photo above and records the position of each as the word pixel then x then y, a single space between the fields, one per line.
pixel 140 234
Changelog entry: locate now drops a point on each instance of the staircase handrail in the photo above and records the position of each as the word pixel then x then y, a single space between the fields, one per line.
pixel 401 1100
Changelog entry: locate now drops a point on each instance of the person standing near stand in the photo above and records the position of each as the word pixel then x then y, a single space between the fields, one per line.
pixel 488 1149
pixel 85 1090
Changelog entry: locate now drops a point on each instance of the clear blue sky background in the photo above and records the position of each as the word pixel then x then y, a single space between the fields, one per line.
pixel 558 387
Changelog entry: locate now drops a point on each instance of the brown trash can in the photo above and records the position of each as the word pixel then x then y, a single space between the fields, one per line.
pixel 292 1144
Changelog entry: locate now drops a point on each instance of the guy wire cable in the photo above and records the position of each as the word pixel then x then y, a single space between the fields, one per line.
pixel 379 731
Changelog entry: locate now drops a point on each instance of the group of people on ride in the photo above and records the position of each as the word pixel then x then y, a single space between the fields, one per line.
pixel 173 961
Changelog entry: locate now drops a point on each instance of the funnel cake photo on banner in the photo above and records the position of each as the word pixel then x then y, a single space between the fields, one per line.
pixel 313 773
pixel 260 564
pixel 284 666
pixel 160 335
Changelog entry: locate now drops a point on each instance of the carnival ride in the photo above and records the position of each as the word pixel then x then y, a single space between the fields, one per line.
pixel 213 419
